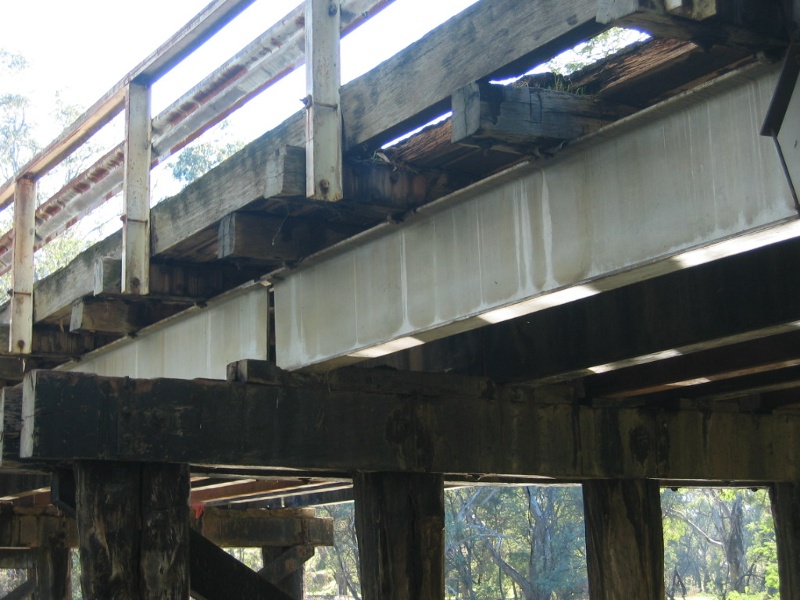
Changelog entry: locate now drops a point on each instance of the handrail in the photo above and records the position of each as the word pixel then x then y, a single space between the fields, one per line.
pixel 276 52
pixel 205 24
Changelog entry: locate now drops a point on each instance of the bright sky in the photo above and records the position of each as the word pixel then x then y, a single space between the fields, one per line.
pixel 81 48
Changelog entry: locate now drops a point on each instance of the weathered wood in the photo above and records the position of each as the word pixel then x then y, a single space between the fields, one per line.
pixel 526 118
pixel 21 336
pixel 120 316
pixel 53 342
pixel 35 527
pixel 717 364
pixel 255 527
pixel 216 575
pixel 16 559
pixel 53 567
pixel 624 541
pixel 400 529
pixel 136 191
pixel 177 281
pixel 134 530
pixel 786 514
pixel 747 24
pixel 393 98
pixel 283 567
pixel 481 428
pixel 323 106
pixel 260 237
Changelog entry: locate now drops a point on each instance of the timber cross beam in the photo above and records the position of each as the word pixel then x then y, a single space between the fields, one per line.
pixel 370 420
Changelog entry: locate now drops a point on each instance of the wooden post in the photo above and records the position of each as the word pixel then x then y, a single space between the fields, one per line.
pixel 400 528
pixel 136 191
pixel 323 110
pixel 283 567
pixel 53 572
pixel 786 514
pixel 133 528
pixel 624 539
pixel 21 333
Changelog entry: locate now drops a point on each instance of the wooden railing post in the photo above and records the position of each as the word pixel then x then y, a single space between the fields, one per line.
pixel 136 191
pixel 21 328
pixel 323 111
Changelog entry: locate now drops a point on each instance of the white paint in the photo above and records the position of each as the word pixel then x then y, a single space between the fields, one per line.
pixel 619 211
pixel 200 346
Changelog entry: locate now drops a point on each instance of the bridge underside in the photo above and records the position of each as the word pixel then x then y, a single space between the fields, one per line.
pixel 601 289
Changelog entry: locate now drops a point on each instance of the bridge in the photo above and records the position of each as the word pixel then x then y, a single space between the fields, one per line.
pixel 595 283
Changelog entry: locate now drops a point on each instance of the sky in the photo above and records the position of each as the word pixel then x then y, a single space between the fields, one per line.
pixel 81 48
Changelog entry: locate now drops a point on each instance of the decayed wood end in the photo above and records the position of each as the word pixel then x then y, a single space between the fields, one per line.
pixel 384 185
pixel 286 173
pixel 118 316
pixel 400 528
pixel 252 528
pixel 388 98
pixel 265 238
pixel 524 117
pixel 624 539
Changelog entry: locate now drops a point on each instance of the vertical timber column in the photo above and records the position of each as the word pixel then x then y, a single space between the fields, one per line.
pixel 21 327
pixel 400 529
pixel 136 191
pixel 53 572
pixel 133 530
pixel 624 539
pixel 323 111
pixel 786 514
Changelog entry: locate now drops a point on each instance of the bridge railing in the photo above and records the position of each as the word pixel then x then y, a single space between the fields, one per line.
pixel 148 141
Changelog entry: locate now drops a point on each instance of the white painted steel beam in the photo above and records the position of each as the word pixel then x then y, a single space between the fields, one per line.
pixel 670 187
pixel 136 192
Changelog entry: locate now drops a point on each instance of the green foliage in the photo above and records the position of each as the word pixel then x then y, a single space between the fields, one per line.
pixel 198 159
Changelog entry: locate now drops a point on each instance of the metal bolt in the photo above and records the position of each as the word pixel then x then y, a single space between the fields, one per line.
pixel 333 9
pixel 324 184
pixel 135 282
pixel 20 344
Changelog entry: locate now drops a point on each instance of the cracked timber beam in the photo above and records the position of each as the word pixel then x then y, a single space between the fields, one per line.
pixel 377 420
pixel 526 118
pixel 120 316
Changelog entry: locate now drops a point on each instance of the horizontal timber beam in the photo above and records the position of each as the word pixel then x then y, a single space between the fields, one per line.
pixel 376 420
pixel 35 527
pixel 253 527
pixel 179 281
pixel 120 316
pixel 260 237
pixel 526 118
pixel 747 24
